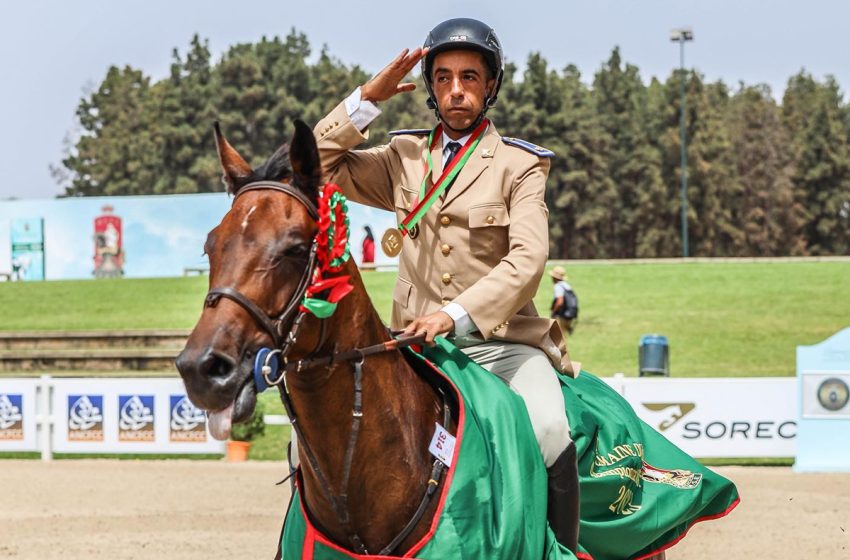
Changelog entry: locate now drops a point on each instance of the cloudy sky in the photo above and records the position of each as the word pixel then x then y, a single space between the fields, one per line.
pixel 51 50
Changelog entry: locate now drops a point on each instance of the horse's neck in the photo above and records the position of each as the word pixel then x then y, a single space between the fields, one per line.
pixel 391 463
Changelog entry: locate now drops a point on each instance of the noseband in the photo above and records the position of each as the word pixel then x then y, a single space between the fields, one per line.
pixel 267 363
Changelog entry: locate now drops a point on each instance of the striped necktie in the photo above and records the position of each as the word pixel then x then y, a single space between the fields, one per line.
pixel 449 153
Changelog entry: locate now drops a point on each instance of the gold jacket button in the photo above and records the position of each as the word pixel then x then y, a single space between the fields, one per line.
pixel 490 220
pixel 446 248
pixel 447 278
pixel 446 302
pixel 445 220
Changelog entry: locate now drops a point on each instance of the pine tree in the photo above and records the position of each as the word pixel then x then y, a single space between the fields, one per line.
pixel 184 113
pixel 582 192
pixel 712 182
pixel 117 153
pixel 823 176
pixel 815 117
pixel 770 217
pixel 620 100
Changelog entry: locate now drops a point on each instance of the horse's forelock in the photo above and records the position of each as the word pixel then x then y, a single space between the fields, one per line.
pixel 276 168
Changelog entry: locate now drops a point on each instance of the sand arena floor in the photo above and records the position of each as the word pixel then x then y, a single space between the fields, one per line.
pixel 99 509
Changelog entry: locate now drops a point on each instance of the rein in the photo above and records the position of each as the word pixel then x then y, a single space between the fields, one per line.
pixel 328 253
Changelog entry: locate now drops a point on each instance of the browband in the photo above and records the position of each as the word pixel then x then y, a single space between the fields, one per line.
pixel 283 187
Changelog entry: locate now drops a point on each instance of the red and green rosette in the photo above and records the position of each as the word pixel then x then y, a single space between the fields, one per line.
pixel 332 251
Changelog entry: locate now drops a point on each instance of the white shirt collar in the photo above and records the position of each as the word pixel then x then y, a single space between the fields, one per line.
pixel 446 139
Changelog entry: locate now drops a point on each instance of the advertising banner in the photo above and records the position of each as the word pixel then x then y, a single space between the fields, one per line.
pixel 27 249
pixel 17 415
pixel 135 236
pixel 128 416
pixel 722 417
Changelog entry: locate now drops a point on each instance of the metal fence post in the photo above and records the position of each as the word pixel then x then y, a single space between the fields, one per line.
pixel 45 418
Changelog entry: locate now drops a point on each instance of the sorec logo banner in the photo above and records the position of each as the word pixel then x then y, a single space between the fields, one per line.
pixel 85 417
pixel 135 418
pixel 11 417
pixel 188 422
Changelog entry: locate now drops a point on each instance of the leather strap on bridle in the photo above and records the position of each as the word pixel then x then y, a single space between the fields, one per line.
pixel 285 188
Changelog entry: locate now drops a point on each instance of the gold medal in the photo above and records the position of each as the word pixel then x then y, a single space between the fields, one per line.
pixel 391 242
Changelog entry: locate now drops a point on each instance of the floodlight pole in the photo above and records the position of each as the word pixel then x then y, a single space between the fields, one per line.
pixel 680 36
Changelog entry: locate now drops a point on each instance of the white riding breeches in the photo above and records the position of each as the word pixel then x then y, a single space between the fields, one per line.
pixel 529 373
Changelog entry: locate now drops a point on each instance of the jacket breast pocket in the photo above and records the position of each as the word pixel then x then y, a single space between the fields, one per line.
pixel 404 199
pixel 488 231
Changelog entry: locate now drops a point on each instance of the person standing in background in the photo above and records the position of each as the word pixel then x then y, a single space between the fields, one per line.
pixel 564 302
pixel 368 246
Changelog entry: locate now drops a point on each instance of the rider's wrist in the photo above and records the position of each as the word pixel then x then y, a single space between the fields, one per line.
pixel 365 94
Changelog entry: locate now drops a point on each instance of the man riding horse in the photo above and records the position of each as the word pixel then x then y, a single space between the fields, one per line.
pixel 473 230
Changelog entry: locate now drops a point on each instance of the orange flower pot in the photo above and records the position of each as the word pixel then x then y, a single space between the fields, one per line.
pixel 237 451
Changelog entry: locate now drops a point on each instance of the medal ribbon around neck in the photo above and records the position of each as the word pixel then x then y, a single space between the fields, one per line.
pixel 453 167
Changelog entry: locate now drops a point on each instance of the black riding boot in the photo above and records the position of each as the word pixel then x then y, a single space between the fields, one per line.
pixel 563 506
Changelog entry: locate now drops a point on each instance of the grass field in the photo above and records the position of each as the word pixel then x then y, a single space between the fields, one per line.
pixel 721 319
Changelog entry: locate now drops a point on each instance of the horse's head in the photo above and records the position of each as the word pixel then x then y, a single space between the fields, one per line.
pixel 259 257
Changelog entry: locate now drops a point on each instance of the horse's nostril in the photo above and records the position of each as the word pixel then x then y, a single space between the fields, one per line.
pixel 217 365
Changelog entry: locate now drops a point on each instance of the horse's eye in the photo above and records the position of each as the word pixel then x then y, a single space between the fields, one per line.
pixel 299 251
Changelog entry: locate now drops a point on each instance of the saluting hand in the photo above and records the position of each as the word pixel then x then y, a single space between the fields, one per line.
pixel 431 325
pixel 385 83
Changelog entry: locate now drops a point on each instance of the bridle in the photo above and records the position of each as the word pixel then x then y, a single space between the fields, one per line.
pixel 274 325
pixel 272 365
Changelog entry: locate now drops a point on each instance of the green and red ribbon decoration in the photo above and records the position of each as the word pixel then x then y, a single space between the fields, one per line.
pixel 333 250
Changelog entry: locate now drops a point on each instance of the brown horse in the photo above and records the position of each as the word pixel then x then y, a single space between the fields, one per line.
pixel 261 257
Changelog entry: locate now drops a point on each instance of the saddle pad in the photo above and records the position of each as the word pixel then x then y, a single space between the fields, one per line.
pixel 640 493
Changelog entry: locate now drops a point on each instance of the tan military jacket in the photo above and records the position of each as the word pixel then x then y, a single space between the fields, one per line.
pixel 484 245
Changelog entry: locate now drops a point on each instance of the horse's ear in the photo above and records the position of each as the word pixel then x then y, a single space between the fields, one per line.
pixel 304 158
pixel 237 172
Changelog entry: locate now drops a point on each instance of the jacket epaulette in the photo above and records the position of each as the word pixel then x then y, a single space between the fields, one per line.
pixel 539 151
pixel 413 131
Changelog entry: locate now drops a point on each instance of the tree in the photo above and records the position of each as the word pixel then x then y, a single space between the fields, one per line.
pixel 815 117
pixel 823 177
pixel 771 219
pixel 184 114
pixel 620 100
pixel 117 153
pixel 582 191
pixel 712 183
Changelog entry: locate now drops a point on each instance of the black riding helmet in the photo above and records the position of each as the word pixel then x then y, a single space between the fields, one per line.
pixel 469 34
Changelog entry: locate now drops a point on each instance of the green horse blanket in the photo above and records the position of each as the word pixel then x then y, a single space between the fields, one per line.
pixel 639 493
